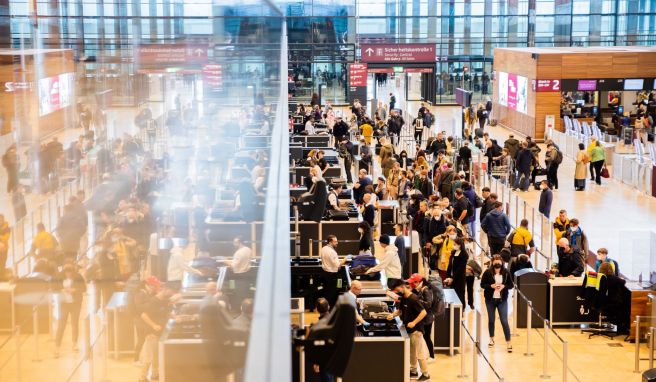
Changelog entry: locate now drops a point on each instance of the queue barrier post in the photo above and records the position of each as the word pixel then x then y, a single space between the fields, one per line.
pixel 636 369
pixel 310 246
pixel 19 375
pixel 477 343
pixel 651 347
pixel 545 353
pixel 35 328
pixel 514 327
pixel 462 374
pixel 529 326
pixel 565 355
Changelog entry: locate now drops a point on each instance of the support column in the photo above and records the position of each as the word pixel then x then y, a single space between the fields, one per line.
pixel 467 32
pixel 432 21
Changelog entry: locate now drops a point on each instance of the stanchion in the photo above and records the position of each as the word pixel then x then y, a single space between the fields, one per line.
pixel 35 327
pixel 310 246
pixel 651 348
pixel 477 345
pixel 89 355
pixel 18 354
pixel 514 327
pixel 636 369
pixel 545 352
pixel 565 354
pixel 529 326
pixel 462 354
pixel 105 352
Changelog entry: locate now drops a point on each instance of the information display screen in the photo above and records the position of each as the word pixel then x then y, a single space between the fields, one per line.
pixel 634 84
pixel 55 93
pixel 587 85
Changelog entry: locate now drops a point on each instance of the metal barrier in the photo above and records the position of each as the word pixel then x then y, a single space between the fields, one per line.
pixel 89 352
pixel 651 345
pixel 476 352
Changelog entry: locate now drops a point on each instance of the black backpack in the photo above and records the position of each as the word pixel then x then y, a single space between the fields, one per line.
pixel 559 157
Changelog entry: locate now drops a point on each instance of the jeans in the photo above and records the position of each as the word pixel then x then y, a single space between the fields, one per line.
pixel 471 227
pixel 73 310
pixel 502 307
pixel 149 356
pixel 496 244
pixel 522 181
pixel 597 166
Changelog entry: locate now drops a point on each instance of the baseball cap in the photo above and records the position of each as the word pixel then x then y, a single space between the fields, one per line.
pixel 153 281
pixel 414 279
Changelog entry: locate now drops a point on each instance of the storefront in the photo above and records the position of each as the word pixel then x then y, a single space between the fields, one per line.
pixel 534 87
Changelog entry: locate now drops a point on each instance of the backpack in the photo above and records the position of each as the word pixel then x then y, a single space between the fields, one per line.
pixel 559 157
pixel 435 284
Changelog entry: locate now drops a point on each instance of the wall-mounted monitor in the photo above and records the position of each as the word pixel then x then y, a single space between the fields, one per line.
pixel 609 84
pixel 634 84
pixel 587 85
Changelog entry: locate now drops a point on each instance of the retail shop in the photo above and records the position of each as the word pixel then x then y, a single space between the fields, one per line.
pixel 535 87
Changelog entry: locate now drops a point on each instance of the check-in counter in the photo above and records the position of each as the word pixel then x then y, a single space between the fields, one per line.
pixel 8 316
pixel 534 286
pixel 447 327
pixel 120 325
pixel 374 286
pixel 566 306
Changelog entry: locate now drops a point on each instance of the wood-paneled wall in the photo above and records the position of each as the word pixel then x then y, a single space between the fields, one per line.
pixel 563 63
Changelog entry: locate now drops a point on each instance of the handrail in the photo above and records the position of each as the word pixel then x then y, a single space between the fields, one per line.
pixel 651 346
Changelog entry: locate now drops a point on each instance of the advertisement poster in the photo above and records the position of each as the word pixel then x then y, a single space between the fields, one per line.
pixel 55 93
pixel 522 94
pixel 512 91
pixel 503 88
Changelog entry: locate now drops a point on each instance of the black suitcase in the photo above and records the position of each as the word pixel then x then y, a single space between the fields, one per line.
pixel 337 215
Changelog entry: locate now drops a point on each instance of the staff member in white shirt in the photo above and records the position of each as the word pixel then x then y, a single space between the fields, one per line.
pixel 309 126
pixel 241 259
pixel 333 198
pixel 390 261
pixel 330 263
pixel 176 268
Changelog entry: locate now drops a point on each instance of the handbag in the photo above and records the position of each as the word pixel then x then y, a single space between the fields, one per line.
pixel 604 172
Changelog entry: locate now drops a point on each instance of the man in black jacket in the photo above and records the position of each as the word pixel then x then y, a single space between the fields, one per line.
pixel 570 259
pixel 438 144
pixel 434 226
pixel 523 166
pixel 546 197
pixel 464 158
pixel 340 130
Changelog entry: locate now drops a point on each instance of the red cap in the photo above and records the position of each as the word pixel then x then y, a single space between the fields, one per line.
pixel 153 281
pixel 414 279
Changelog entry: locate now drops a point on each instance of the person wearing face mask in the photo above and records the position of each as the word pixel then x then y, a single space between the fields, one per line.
pixel 456 271
pixel 496 282
pixel 576 236
pixel 393 179
pixel 435 225
pixel 404 184
pixel 602 257
pixel 404 161
pixel 444 248
pixel 570 259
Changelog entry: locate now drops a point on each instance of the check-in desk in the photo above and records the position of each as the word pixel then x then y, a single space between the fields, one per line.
pixel 447 327
pixel 566 306
pixel 307 280
pixel 638 295
pixel 534 286
pixel 345 230
pixel 8 316
pixel 382 356
pixel 32 294
pixel 120 325
pixel 313 141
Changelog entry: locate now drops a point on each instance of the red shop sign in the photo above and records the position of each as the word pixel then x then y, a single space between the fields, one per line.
pixel 546 85
pixel 358 74
pixel 397 53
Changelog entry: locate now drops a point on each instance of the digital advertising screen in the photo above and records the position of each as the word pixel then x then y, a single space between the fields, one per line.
pixel 522 94
pixel 55 93
pixel 587 85
pixel 503 88
pixel 512 91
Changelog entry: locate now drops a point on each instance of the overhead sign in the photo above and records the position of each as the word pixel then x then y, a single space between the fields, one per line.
pixel 10 87
pixel 397 53
pixel 418 70
pixel 161 54
pixel 358 74
pixel 546 85
pixel 213 76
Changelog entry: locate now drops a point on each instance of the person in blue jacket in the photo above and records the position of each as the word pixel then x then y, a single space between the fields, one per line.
pixel 497 227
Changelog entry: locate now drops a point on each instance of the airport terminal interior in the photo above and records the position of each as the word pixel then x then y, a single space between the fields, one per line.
pixel 327 190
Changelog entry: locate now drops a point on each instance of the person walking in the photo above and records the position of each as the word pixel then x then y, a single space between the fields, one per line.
pixel 546 198
pixel 523 166
pixel 597 159
pixel 552 160
pixel 581 171
pixel 72 289
pixel 495 282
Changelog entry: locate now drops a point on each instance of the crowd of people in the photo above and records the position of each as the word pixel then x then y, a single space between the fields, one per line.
pixel 442 207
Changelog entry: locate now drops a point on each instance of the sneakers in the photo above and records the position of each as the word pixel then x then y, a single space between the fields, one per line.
pixel 414 375
pixel 424 377
pixel 491 343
